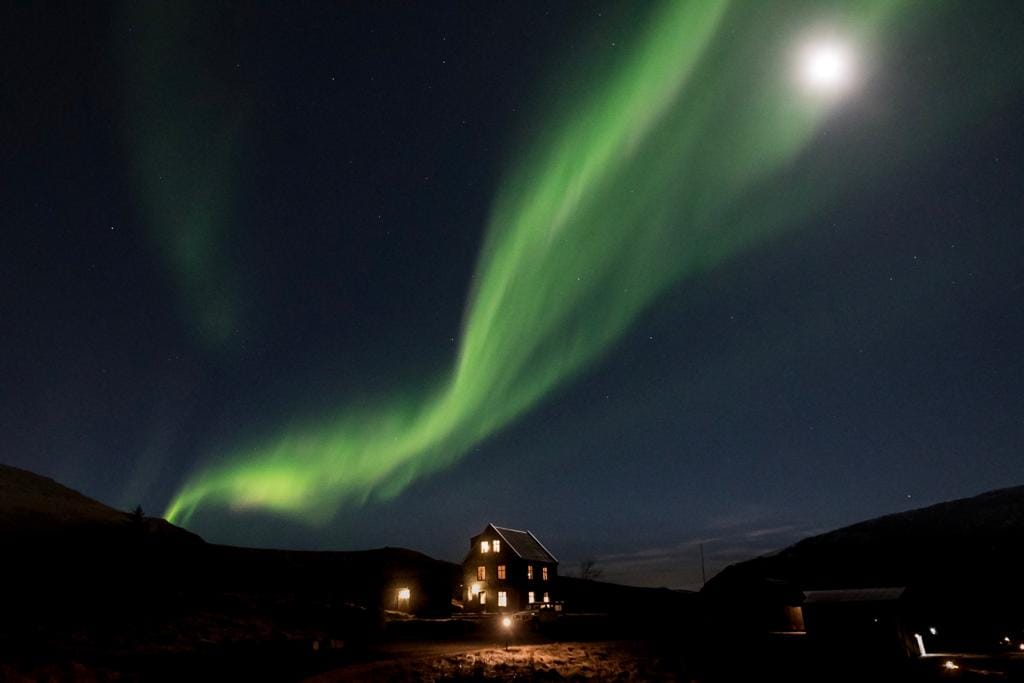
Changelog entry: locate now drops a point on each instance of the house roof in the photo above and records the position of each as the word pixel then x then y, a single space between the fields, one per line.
pixel 524 544
pixel 856 595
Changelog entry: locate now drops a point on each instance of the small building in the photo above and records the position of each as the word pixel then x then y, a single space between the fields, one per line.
pixel 870 621
pixel 507 570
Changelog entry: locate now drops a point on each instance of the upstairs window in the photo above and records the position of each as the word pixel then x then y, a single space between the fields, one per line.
pixel 485 547
pixel 497 545
pixel 501 572
pixel 543 573
pixel 481 573
pixel 529 572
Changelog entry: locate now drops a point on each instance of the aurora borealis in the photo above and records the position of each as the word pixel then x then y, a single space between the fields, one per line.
pixel 630 274
pixel 648 179
pixel 184 123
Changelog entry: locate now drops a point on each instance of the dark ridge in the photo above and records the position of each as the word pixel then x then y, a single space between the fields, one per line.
pixel 965 544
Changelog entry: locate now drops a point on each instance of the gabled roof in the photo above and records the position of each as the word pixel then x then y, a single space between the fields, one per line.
pixel 524 544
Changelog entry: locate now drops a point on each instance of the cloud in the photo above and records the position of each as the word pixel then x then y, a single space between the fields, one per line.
pixel 678 565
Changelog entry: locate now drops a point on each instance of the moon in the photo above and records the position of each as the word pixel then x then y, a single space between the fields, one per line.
pixel 827 67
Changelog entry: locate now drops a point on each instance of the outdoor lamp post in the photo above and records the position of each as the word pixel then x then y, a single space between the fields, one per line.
pixel 507 623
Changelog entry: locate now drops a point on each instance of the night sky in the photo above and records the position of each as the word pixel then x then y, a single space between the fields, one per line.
pixel 346 275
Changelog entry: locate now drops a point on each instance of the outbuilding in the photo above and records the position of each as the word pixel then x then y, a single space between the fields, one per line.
pixel 871 622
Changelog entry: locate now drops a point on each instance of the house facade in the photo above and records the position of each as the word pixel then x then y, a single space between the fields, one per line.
pixel 507 570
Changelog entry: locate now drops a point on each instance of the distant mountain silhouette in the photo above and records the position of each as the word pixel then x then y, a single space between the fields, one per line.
pixel 34 508
pixel 27 498
pixel 960 545
pixel 83 580
pixel 76 548
pixel 74 551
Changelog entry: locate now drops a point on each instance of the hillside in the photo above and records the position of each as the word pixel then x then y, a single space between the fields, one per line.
pixel 37 509
pixel 76 549
pixel 961 545
pixel 83 582
pixel 30 500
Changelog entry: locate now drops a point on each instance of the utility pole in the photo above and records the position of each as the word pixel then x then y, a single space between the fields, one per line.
pixel 703 574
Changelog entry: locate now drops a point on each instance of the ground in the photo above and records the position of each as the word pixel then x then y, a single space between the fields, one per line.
pixel 573 661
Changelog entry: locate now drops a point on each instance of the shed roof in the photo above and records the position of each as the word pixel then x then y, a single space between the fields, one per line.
pixel 524 544
pixel 855 595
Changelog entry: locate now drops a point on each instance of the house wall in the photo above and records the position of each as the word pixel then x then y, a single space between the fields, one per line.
pixel 516 584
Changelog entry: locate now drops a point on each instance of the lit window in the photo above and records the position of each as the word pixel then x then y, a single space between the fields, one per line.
pixel 481 573
pixel 531 598
pixel 497 546
pixel 485 547
pixel 483 597
pixel 529 572
pixel 501 571
pixel 544 573
pixel 547 598
pixel 502 599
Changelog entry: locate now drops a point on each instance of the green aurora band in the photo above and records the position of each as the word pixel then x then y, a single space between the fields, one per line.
pixel 655 175
pixel 183 114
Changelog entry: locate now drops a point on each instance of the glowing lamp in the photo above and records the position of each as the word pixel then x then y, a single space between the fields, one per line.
pixel 404 593
pixel 950 665
pixel 506 622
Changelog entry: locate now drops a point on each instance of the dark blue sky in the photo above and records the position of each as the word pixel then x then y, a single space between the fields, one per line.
pixel 867 362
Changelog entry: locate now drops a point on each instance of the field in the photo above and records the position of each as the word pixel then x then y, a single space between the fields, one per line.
pixel 570 661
